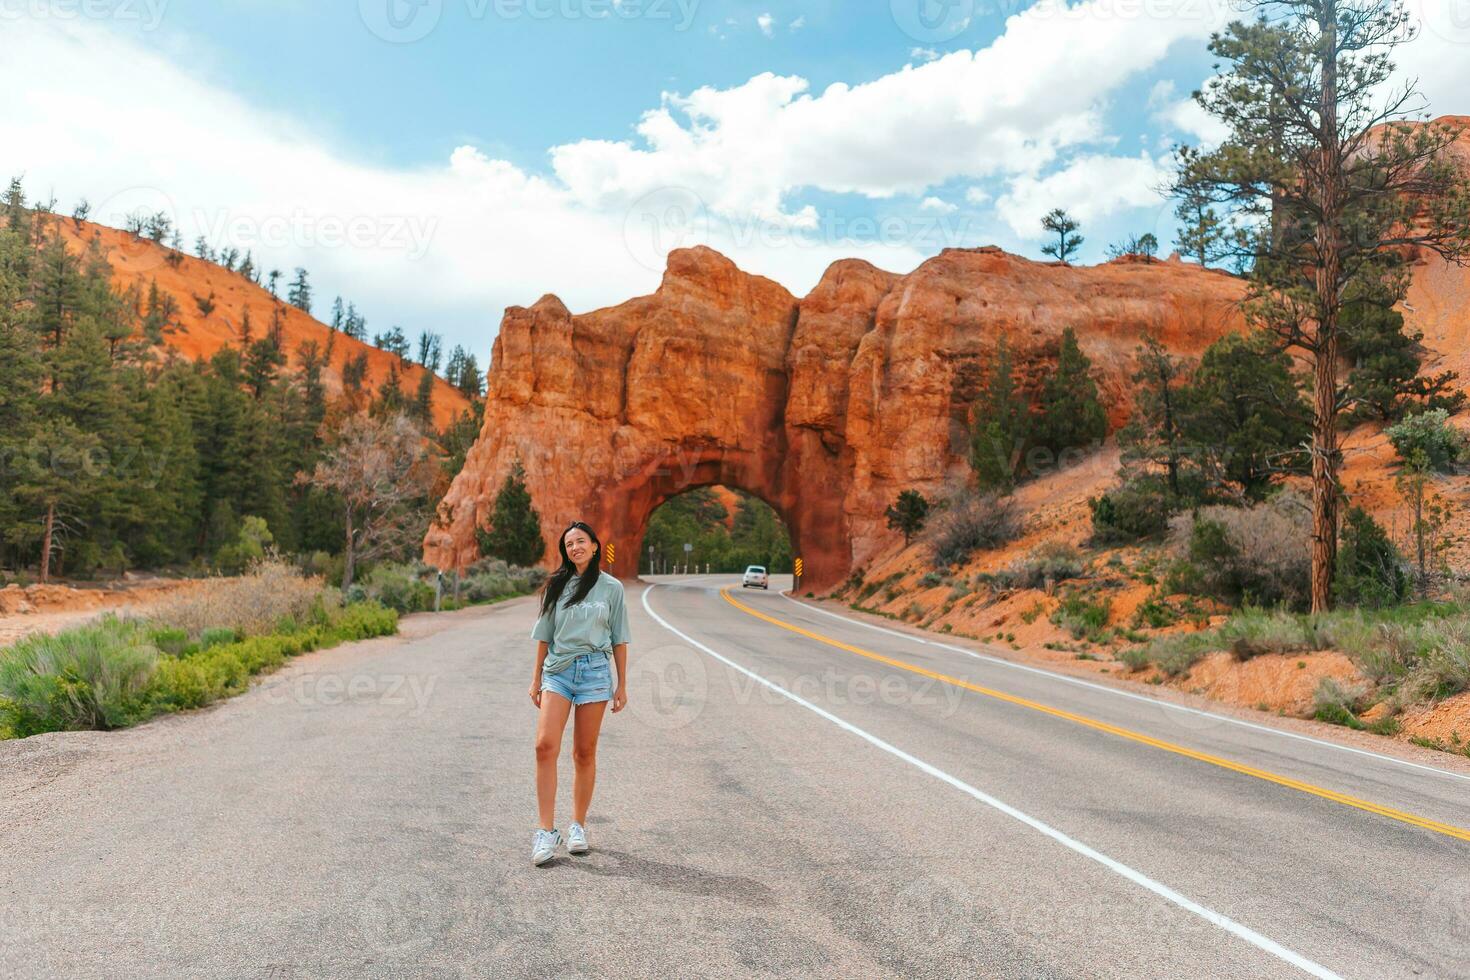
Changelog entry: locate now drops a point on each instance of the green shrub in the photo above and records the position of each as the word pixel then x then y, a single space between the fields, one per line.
pixel 108 675
pixel 1337 704
pixel 1370 571
pixel 398 586
pixel 930 579
pixel 1155 614
pixel 1430 439
pixel 1173 654
pixel 1081 616
pixel 1252 632
pixel 81 678
pixel 171 640
pixel 1054 560
pixel 216 635
pixel 250 546
pixel 1443 670
pixel 1137 508
pixel 1134 658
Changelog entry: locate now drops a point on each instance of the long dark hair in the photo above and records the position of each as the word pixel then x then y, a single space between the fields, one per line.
pixel 557 582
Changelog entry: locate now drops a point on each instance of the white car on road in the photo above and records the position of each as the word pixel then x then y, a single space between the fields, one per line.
pixel 755 576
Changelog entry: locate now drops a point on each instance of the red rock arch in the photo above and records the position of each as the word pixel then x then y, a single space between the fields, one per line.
pixel 825 407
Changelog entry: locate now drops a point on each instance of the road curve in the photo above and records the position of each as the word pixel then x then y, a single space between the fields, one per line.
pixel 788 793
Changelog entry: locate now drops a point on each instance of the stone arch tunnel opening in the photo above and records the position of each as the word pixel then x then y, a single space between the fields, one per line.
pixel 727 529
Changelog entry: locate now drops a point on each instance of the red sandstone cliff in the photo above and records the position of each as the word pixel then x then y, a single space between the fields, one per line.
pixel 825 407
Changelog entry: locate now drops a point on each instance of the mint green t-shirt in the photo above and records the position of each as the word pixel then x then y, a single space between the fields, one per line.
pixel 594 625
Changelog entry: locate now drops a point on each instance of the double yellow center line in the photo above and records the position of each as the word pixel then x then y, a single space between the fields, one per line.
pixel 1449 830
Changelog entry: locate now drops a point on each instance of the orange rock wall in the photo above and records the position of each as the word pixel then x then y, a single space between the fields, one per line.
pixel 826 407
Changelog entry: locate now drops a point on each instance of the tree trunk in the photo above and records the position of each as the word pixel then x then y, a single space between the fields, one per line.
pixel 46 542
pixel 348 556
pixel 1325 464
pixel 1325 458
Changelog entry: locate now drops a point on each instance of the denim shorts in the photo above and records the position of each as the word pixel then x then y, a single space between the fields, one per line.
pixel 586 679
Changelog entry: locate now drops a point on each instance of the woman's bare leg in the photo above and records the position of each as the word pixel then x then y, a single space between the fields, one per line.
pixel 584 756
pixel 549 728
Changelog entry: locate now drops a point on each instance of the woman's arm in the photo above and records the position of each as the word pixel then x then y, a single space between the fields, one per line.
pixel 620 657
pixel 541 648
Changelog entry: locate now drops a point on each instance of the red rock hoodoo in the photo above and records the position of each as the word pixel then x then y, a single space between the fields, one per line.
pixel 825 407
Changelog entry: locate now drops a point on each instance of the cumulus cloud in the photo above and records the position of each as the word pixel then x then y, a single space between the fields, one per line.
pixel 766 23
pixel 1089 188
pixel 724 166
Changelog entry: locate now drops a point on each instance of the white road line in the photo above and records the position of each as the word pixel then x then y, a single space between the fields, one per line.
pixel 1117 867
pixel 1126 694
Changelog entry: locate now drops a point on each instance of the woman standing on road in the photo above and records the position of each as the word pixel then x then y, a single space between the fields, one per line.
pixel 577 637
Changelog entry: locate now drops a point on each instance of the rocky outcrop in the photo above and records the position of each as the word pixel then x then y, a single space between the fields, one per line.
pixel 825 407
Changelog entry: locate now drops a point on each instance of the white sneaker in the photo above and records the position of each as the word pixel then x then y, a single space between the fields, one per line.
pixel 576 839
pixel 544 844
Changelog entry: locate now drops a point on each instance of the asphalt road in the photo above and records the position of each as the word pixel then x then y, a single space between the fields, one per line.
pixel 788 793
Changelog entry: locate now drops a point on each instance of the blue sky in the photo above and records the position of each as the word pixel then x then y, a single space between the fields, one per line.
pixel 437 160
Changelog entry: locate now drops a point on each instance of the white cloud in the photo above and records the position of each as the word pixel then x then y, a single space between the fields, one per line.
pixel 765 22
pixel 743 149
pixel 797 24
pixel 1162 94
pixel 977 195
pixel 923 54
pixel 1089 188
pixel 491 234
pixel 937 204
pixel 719 165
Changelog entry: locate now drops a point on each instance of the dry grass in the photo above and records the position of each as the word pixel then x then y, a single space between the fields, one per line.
pixel 252 604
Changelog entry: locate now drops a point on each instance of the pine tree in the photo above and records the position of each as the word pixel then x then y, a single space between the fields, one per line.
pixel 471 381
pixel 1059 223
pixel 1155 433
pixel 1384 382
pixel 355 325
pixel 1247 420
pixel 454 370
pixel 390 399
pixel 423 399
pixel 907 514
pixel 339 315
pixel 514 535
pixel 999 425
pixel 299 293
pixel 263 361
pixel 1069 415
pixel 458 437
pixel 1328 177
pixel 54 478
pixel 429 350
pixel 354 375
